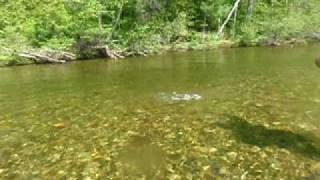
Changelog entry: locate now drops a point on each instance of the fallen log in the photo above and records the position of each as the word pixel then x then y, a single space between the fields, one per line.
pixel 48 56
pixel 113 54
pixel 63 55
pixel 39 59
pixel 109 53
pixel 128 53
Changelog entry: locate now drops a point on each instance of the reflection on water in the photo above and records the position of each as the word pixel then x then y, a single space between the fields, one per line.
pixel 258 117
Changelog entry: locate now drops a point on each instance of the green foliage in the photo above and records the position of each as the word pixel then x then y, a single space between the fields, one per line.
pixel 143 24
pixel 214 11
pixel 59 43
pixel 249 34
pixel 176 29
pixel 140 37
pixel 12 40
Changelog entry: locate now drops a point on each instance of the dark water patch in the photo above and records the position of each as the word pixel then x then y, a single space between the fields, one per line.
pixel 261 136
pixel 141 157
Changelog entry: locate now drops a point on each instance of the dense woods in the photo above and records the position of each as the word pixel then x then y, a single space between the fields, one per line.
pixel 138 27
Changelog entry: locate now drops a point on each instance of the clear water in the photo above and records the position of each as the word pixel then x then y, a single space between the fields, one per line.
pixel 258 117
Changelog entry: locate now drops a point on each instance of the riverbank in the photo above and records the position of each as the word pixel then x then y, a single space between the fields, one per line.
pixel 120 28
pixel 92 53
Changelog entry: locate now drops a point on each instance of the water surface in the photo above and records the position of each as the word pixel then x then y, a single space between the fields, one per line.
pixel 258 117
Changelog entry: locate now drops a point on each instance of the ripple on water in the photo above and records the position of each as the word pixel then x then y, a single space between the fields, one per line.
pixel 176 97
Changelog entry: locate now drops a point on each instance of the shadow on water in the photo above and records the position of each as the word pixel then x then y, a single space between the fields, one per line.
pixel 261 136
pixel 140 155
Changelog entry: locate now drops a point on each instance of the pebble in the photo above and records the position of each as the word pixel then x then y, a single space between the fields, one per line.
pixel 315 172
pixel 223 171
pixel 166 118
pixel 213 150
pixel 232 156
pixel 61 172
pixel 205 168
pixel 59 125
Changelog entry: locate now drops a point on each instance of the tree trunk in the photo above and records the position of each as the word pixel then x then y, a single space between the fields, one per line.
pixel 234 22
pixel 116 22
pixel 100 22
pixel 233 10
pixel 250 9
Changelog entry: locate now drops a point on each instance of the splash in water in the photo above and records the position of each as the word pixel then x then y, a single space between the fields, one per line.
pixel 180 97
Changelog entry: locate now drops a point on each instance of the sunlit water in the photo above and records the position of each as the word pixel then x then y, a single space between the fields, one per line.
pixel 257 118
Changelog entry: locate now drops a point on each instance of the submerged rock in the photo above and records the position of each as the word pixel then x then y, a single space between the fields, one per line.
pixel 317 61
pixel 315 172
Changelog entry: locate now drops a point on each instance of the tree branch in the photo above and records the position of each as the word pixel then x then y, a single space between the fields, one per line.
pixel 233 10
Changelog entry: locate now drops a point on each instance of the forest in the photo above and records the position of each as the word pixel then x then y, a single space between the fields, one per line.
pixel 120 28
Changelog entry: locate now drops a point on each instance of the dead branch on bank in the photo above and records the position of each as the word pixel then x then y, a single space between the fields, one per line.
pixel 233 11
pixel 109 53
pixel 49 56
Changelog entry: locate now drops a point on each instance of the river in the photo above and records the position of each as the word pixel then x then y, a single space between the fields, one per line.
pixel 257 118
